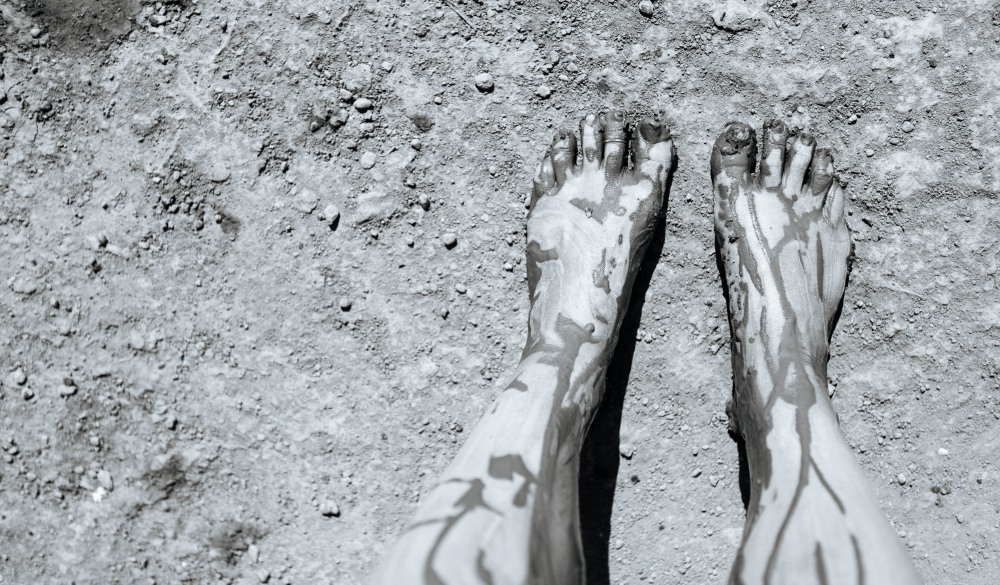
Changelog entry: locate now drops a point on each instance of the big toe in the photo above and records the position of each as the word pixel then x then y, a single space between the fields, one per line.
pixel 653 150
pixel 734 157
pixel 563 153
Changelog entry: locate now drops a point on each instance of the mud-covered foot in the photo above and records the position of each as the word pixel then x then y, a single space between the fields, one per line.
pixel 594 208
pixel 784 250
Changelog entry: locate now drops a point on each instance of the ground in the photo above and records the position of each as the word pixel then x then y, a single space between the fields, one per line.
pixel 263 265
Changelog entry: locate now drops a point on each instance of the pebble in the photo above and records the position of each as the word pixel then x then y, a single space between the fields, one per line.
pixel 157 19
pixel 362 104
pixel 901 479
pixel 35 32
pixel 646 8
pixel 136 341
pixel 713 480
pixel 27 394
pixel 104 478
pixel 484 82
pixel 367 160
pixel 329 509
pixel 460 288
pixel 253 552
pixel 908 126
pixel 508 267
pixel 424 201
pixel 449 240
pixel 869 153
pixel 626 450
pixel 415 144
pixel 696 472
pixel 345 304
pixel 387 66
pixel 331 213
pixel 543 91
pixel 852 119
pixel 66 390
pixel 18 377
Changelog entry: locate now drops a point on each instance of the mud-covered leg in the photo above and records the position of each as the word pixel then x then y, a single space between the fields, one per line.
pixel 506 509
pixel 784 251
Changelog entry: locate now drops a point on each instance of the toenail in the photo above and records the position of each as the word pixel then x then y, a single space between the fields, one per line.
pixel 652 131
pixel 590 119
pixel 807 139
pixel 618 115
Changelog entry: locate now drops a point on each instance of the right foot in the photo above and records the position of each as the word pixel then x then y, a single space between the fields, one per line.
pixel 784 247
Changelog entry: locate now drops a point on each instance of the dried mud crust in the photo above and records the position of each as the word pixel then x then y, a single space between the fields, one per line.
pixel 315 357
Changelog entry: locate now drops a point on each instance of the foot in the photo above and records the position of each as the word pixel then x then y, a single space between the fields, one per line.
pixel 784 249
pixel 784 252
pixel 591 221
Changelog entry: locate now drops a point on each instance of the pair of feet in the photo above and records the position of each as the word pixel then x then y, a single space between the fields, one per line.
pixel 782 241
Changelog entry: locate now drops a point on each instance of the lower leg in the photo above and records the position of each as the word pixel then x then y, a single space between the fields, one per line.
pixel 784 247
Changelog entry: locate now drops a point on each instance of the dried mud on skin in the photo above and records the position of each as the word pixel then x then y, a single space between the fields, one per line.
pixel 264 263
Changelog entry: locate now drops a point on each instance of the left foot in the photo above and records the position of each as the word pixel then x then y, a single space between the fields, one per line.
pixel 591 221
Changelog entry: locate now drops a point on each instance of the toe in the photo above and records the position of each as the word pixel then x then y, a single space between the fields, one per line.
pixel 652 151
pixel 614 143
pixel 592 139
pixel 563 153
pixel 734 157
pixel 821 172
pixel 545 179
pixel 836 201
pixel 799 156
pixel 772 153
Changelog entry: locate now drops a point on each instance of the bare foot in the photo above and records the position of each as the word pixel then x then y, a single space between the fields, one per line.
pixel 591 221
pixel 506 510
pixel 784 250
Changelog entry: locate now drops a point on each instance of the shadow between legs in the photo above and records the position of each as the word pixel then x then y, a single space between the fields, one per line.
pixel 599 455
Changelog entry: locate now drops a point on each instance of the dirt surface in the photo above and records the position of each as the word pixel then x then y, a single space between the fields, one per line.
pixel 236 347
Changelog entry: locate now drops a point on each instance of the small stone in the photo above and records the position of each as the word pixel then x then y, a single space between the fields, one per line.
pixel 484 82
pixel 254 553
pixel 104 478
pixel 543 91
pixel 386 66
pixel 27 393
pixel 908 126
pixel 263 575
pixel 306 201
pixel 460 288
pixel 713 480
pixel 329 509
pixel 345 96
pixel 157 19
pixel 619 543
pixel 136 341
pixel 345 304
pixel 869 153
pixel 901 479
pixel 331 214
pixel 415 144
pixel 362 104
pixel 696 472
pixel 24 286
pixel 508 267
pixel 853 119
pixel 646 8
pixel 66 391
pixel 626 450
pixel 35 32
pixel 18 377
pixel 960 519
pixel 170 422
pixel 367 160
pixel 449 240
pixel 424 201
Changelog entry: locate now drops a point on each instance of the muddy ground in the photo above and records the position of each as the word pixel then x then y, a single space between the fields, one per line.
pixel 236 349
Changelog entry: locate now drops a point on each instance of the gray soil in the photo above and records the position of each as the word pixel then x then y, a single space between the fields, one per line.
pixel 236 347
